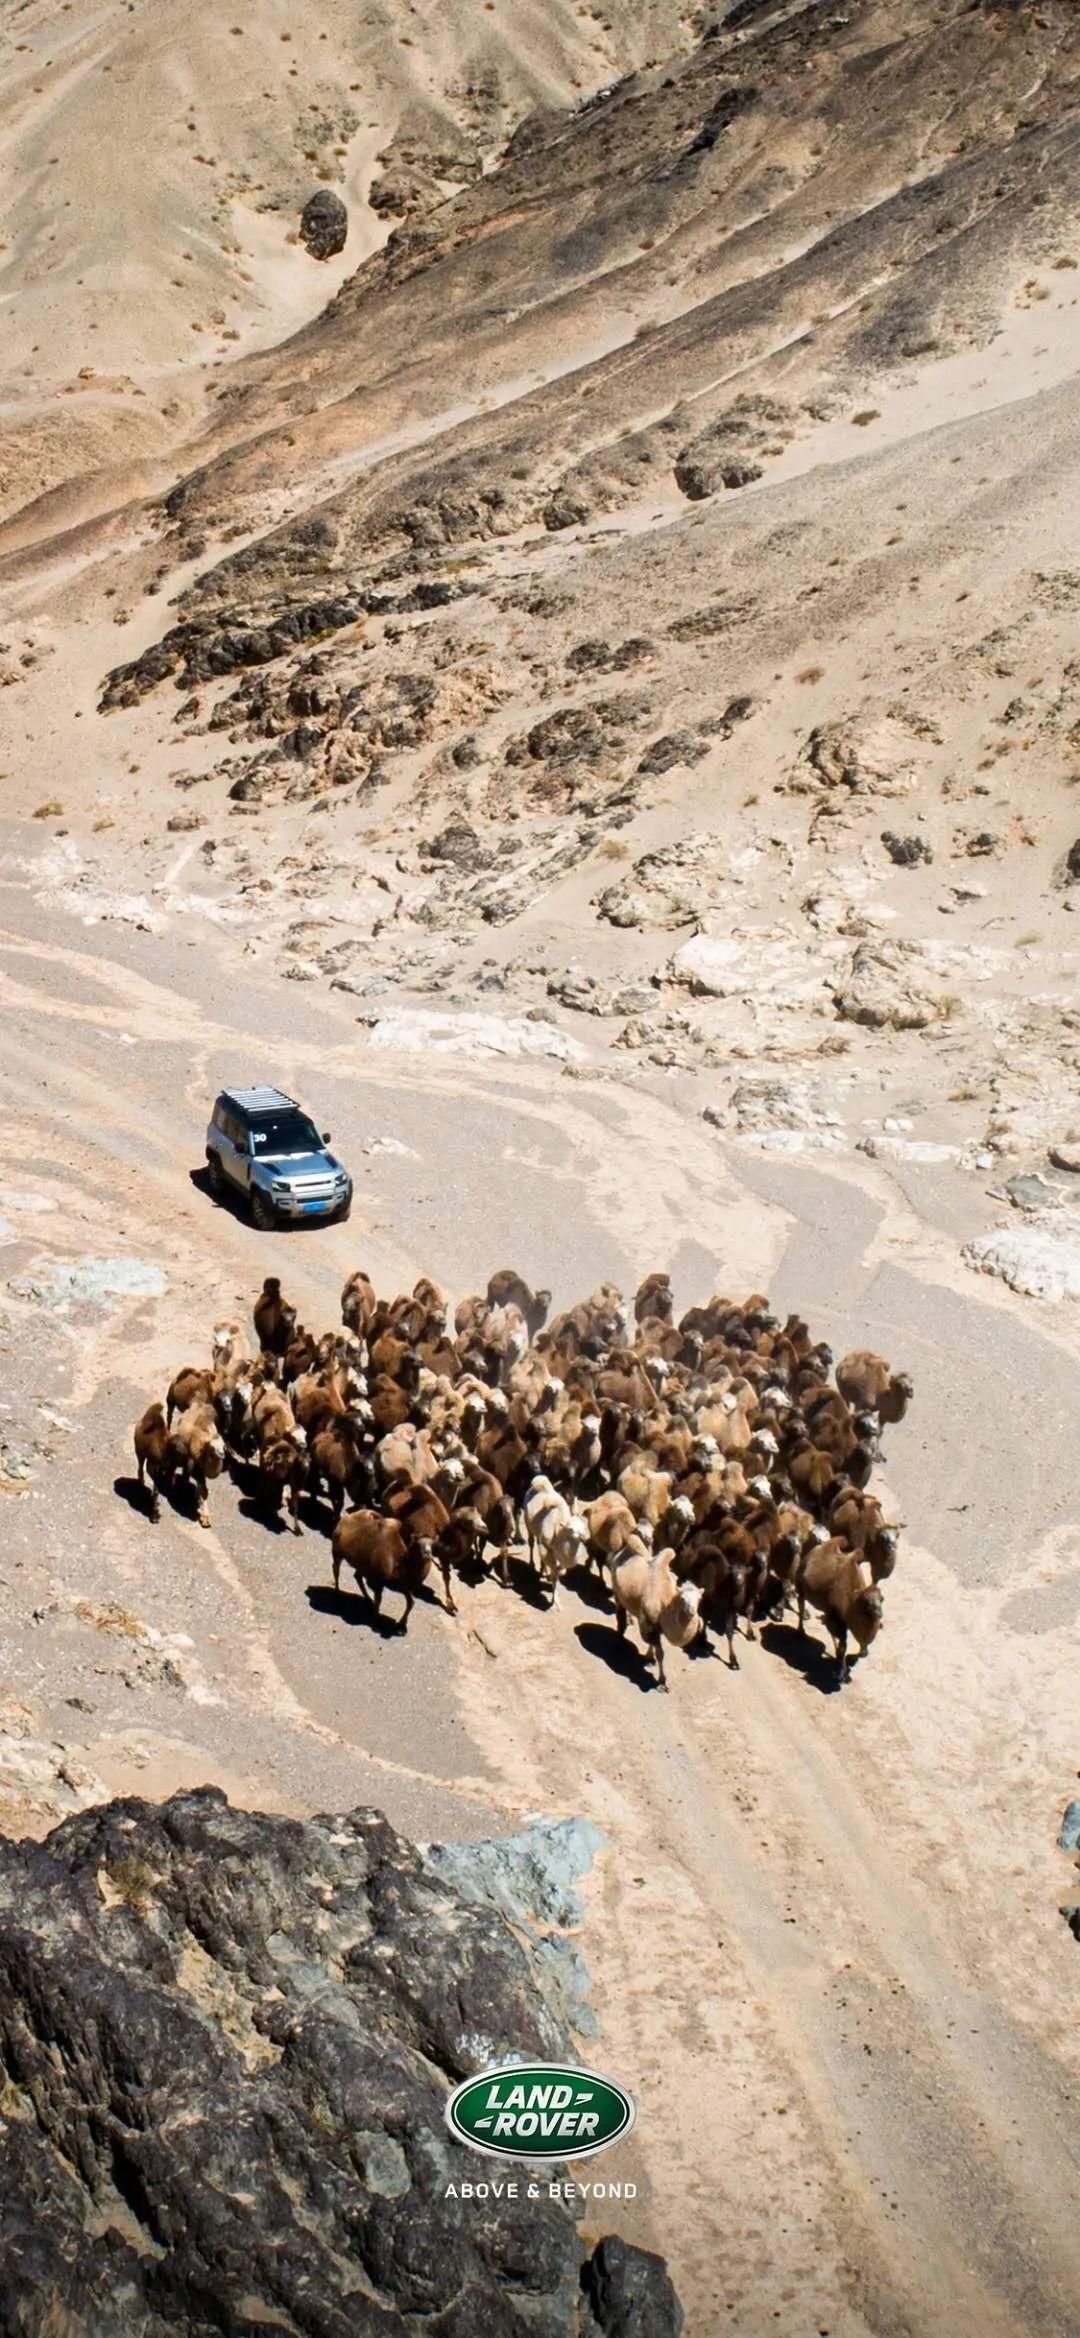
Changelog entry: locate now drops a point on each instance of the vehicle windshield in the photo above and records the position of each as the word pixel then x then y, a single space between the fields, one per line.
pixel 284 1133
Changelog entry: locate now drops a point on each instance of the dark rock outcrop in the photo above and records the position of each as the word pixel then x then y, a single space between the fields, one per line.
pixel 199 653
pixel 1069 1832
pixel 225 2043
pixel 459 844
pixel 675 747
pixel 724 454
pixel 324 224
pixel 575 745
pixel 607 657
pixel 629 2290
pixel 906 851
pixel 566 510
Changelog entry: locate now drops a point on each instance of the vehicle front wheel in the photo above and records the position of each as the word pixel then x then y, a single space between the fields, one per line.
pixel 215 1176
pixel 341 1214
pixel 262 1214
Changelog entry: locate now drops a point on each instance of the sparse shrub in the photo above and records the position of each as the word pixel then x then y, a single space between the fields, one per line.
pixel 867 415
pixel 132 1880
pixel 49 811
pixel 811 674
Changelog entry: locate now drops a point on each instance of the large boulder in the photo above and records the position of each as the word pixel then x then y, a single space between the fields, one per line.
pixel 867 754
pixel 226 2042
pixel 324 224
pixel 879 992
pixel 697 478
pixel 630 2291
pixel 725 453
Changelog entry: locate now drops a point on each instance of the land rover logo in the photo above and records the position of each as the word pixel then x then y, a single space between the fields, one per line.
pixel 539 2111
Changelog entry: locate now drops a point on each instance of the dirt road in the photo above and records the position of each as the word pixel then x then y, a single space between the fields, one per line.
pixel 825 1939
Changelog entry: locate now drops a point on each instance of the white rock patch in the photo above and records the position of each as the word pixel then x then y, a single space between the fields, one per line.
pixel 1042 1261
pixel 416 1031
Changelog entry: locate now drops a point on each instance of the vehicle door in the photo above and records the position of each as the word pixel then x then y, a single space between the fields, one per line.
pixel 234 1153
pixel 245 1152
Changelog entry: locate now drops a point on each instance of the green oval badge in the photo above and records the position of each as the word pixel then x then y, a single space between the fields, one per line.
pixel 543 2110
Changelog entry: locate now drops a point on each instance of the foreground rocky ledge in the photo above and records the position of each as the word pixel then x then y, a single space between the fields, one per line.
pixel 226 2043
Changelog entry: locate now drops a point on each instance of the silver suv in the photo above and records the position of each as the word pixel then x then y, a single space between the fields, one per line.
pixel 261 1145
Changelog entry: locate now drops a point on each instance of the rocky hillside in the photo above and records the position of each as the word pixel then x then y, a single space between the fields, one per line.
pixel 640 289
pixel 226 2041
pixel 665 535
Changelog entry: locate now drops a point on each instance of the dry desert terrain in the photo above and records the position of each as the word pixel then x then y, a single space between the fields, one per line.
pixel 583 688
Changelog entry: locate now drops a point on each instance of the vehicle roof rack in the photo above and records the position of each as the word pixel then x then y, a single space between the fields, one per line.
pixel 259 1099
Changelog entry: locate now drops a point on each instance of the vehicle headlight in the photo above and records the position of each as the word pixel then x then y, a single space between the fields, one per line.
pixel 279 1185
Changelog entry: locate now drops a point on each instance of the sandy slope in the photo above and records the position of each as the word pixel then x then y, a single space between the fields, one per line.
pixel 153 164
pixel 825 1939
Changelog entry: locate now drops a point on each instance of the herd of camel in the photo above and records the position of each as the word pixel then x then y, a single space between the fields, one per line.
pixel 712 1467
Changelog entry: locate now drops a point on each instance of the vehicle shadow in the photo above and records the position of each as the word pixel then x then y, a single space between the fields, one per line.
pixel 619 1655
pixel 803 1655
pixel 223 1198
pixel 226 1197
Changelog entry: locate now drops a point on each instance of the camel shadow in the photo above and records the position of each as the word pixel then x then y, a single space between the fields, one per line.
pixel 261 1514
pixel 474 1571
pixel 316 1516
pixel 355 1609
pixel 803 1655
pixel 523 1579
pixel 181 1499
pixel 352 1608
pixel 590 1588
pixel 138 1498
pixel 620 1655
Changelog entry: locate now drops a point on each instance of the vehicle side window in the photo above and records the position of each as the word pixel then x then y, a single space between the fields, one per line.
pixel 232 1129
